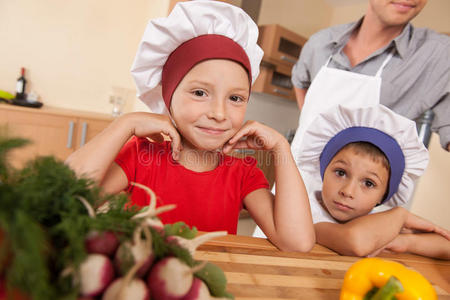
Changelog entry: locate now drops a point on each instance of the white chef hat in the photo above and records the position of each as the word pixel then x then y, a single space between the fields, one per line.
pixel 395 135
pixel 197 30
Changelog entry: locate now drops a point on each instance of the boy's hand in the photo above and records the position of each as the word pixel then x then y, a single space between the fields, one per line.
pixel 398 245
pixel 153 126
pixel 417 223
pixel 254 135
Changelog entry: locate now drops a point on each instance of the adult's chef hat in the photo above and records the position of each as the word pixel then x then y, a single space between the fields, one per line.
pixel 194 31
pixel 395 135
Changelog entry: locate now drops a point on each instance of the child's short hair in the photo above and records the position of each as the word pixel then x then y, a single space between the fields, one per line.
pixel 370 149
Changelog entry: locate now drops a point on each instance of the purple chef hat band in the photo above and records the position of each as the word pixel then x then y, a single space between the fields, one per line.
pixel 384 142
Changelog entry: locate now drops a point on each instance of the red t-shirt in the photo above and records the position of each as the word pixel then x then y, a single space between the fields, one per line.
pixel 208 200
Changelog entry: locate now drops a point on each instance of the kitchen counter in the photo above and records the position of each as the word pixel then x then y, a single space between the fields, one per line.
pixel 255 269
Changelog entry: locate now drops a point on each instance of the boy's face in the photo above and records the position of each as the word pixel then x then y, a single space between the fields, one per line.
pixel 353 184
pixel 395 12
pixel 209 104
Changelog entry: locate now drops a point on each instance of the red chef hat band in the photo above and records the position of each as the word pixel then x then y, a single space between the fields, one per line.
pixel 193 51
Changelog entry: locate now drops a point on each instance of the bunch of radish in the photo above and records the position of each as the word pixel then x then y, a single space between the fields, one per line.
pixel 154 263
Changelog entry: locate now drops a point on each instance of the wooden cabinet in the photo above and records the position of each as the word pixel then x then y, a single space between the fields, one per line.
pixel 282 49
pixel 52 131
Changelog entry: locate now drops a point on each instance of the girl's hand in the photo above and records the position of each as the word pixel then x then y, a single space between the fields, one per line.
pixel 254 135
pixel 154 126
pixel 417 223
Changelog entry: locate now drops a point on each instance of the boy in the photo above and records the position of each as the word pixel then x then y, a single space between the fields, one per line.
pixel 198 65
pixel 367 157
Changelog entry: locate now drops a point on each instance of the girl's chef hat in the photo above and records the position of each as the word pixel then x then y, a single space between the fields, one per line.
pixel 395 135
pixel 194 31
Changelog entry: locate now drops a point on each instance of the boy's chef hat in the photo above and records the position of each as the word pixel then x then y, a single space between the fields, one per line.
pixel 225 31
pixel 395 135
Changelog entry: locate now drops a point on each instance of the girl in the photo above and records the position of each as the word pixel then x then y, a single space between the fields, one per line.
pixel 367 158
pixel 198 65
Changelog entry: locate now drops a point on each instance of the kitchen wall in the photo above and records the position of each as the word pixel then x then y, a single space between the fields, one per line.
pixel 75 51
pixel 301 16
pixel 78 52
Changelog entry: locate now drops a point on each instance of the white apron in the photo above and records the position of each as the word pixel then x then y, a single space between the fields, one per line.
pixel 333 87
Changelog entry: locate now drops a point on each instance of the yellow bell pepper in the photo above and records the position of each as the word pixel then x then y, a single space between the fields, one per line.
pixel 368 273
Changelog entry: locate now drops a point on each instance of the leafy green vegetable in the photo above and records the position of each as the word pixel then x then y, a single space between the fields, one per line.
pixel 181 229
pixel 43 225
pixel 215 279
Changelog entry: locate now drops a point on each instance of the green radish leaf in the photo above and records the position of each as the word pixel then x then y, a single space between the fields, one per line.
pixel 214 278
pixel 181 229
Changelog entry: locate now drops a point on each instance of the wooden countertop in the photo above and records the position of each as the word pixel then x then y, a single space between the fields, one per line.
pixel 255 269
pixel 58 111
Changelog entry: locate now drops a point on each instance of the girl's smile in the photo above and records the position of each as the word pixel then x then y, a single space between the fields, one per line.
pixel 212 130
pixel 209 104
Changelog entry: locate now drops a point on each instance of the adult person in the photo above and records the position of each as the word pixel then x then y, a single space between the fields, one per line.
pixel 381 58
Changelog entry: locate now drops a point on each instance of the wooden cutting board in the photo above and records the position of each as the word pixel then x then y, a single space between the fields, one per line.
pixel 255 269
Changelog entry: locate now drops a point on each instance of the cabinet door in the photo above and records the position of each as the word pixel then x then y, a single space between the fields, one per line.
pixel 49 134
pixel 89 128
pixel 273 80
pixel 280 45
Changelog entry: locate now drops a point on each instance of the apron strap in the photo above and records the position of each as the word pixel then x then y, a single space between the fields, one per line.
pixel 388 58
pixel 328 60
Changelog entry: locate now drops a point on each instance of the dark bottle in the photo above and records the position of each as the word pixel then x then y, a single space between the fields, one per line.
pixel 20 86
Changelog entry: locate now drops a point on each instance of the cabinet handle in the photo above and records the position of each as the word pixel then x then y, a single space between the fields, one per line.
pixel 83 134
pixel 281 92
pixel 288 59
pixel 70 135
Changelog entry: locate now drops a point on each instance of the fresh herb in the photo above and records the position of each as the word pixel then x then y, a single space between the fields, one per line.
pixel 43 225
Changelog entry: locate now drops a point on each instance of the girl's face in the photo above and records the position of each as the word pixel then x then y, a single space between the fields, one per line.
pixel 353 184
pixel 209 104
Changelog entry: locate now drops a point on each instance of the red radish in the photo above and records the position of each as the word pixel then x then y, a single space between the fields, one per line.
pixel 140 250
pixel 128 288
pixel 171 279
pixel 101 242
pixel 96 272
pixel 193 244
pixel 198 291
